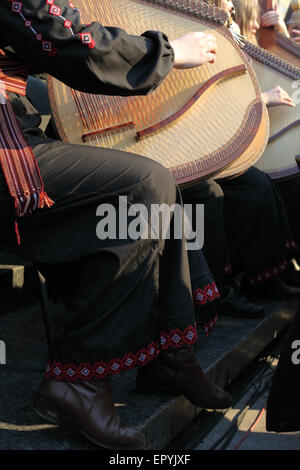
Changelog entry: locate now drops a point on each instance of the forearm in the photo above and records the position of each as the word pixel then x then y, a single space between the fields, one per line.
pixel 282 28
pixel 90 58
pixel 265 98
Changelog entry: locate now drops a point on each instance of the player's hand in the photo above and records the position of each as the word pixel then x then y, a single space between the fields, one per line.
pixel 270 18
pixel 276 96
pixel 295 35
pixel 274 18
pixel 194 49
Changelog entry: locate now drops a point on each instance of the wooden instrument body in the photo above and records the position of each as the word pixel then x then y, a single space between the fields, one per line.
pixel 278 159
pixel 217 132
pixel 285 48
pixel 276 42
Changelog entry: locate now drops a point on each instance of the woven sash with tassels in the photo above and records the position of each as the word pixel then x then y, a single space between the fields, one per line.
pixel 18 163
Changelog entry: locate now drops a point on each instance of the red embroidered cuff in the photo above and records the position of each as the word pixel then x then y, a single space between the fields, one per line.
pixel 86 371
pixel 206 294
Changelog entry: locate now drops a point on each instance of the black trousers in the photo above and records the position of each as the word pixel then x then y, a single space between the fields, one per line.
pixel 215 248
pixel 283 407
pixel 257 226
pixel 246 227
pixel 289 191
pixel 125 299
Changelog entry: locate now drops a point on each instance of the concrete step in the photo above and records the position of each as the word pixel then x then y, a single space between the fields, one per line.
pixel 227 351
pixel 230 432
pixel 18 282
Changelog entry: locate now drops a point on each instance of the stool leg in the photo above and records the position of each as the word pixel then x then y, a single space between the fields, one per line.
pixel 46 313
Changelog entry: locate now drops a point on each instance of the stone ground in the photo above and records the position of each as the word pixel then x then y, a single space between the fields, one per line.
pixel 232 345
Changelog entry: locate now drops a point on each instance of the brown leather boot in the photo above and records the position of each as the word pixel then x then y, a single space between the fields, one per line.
pixel 90 408
pixel 178 371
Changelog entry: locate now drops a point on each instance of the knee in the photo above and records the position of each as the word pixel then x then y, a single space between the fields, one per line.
pixel 258 179
pixel 206 192
pixel 215 192
pixel 213 205
pixel 160 185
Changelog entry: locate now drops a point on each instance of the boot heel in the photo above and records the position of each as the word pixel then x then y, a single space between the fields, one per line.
pixel 44 409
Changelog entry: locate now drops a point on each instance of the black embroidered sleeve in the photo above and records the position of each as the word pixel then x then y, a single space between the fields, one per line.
pixel 49 36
